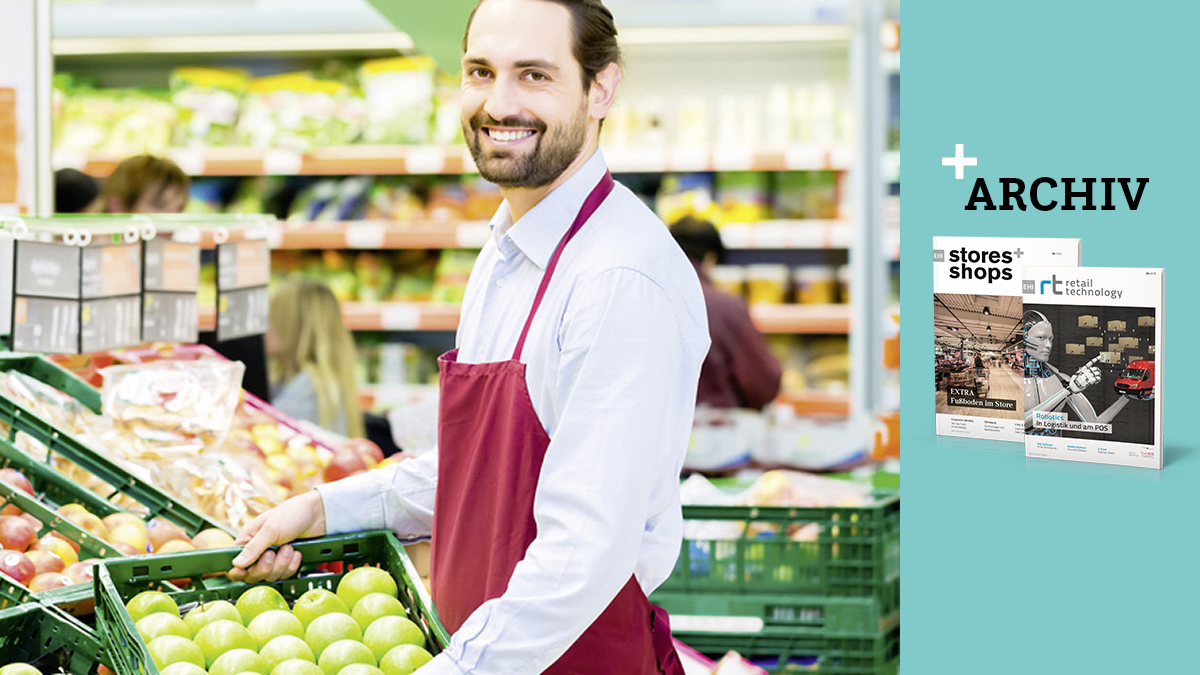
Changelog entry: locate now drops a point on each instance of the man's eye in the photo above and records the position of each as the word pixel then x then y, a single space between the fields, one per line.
pixel 478 72
pixel 536 77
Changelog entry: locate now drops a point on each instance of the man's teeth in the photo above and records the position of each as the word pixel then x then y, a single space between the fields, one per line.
pixel 506 136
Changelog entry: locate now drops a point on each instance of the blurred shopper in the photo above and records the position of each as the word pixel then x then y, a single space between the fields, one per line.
pixel 740 371
pixel 75 192
pixel 313 353
pixel 145 184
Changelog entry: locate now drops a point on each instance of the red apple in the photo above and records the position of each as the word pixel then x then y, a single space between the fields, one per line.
pixel 161 531
pixel 16 534
pixel 18 480
pixel 17 565
pixel 59 547
pixel 59 536
pixel 345 463
pixel 49 581
pixel 37 524
pixel 45 561
pixel 365 449
pixel 126 549
pixel 80 572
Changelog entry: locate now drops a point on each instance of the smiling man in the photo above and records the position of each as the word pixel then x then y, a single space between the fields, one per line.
pixel 565 411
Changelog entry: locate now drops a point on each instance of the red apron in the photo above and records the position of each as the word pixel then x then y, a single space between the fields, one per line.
pixel 490 451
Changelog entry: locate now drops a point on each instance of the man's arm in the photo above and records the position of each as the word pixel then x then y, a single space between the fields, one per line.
pixel 399 497
pixel 626 406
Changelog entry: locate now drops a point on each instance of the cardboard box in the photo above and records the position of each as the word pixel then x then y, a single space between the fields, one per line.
pixel 1130 358
pixel 1129 342
pixel 1110 357
pixel 1146 321
pixel 1116 325
pixel 1151 349
pixel 1095 342
pixel 1116 347
pixel 1074 349
pixel 1087 321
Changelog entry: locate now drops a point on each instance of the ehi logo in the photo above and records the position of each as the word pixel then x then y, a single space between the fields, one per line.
pixel 978 264
pixel 1013 192
pixel 1071 287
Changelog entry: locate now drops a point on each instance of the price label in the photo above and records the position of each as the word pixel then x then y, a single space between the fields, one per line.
pixel 733 159
pixel 280 162
pixel 400 316
pixel 365 235
pixel 242 312
pixel 47 270
pixel 717 624
pixel 110 323
pixel 472 235
pixel 45 325
pixel 243 264
pixel 109 271
pixel 170 317
pixel 690 159
pixel 425 160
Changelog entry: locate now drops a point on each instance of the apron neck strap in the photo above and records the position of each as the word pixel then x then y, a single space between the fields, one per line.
pixel 593 201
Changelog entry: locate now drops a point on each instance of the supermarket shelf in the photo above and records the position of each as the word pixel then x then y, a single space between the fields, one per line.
pixel 817 403
pixel 380 234
pixel 708 35
pixel 797 319
pixel 426 159
pixel 801 319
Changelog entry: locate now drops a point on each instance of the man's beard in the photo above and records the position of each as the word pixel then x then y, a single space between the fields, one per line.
pixel 551 154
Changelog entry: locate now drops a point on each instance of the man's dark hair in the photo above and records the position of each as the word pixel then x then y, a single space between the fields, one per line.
pixel 74 190
pixel 698 238
pixel 595 36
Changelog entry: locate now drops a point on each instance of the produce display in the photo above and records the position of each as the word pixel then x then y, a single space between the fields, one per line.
pixel 383 276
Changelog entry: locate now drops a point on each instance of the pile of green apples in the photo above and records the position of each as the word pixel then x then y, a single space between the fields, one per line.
pixel 363 629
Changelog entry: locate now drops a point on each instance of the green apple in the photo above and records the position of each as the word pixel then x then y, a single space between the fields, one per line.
pixel 374 606
pixel 146 603
pixel 363 581
pixel 360 669
pixel 286 648
pixel 297 667
pixel 328 629
pixel 404 660
pixel 273 623
pixel 318 602
pixel 389 631
pixel 257 600
pixel 168 649
pixel 343 653
pixel 238 661
pixel 222 636
pixel 162 623
pixel 19 669
pixel 209 612
pixel 183 668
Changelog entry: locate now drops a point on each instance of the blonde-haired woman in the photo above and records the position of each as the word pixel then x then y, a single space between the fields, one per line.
pixel 313 355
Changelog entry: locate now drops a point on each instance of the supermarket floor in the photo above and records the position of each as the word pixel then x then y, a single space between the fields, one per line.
pixel 1003 383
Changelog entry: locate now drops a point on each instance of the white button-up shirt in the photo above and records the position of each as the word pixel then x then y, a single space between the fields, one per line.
pixel 612 360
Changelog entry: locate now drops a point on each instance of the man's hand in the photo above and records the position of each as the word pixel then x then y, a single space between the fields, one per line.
pixel 1085 377
pixel 301 517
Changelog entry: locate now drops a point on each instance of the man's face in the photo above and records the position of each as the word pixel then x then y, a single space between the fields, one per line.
pixel 524 107
pixel 1038 340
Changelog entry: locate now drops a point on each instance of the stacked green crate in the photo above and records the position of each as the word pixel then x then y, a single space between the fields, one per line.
pixel 49 640
pixel 818 587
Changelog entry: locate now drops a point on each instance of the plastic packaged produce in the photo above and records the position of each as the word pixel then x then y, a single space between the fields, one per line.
pixel 743 196
pixel 207 100
pixel 806 194
pixel 298 112
pixel 399 94
pixel 453 270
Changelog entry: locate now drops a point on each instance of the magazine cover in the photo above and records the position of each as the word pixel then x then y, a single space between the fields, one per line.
pixel 1094 364
pixel 978 347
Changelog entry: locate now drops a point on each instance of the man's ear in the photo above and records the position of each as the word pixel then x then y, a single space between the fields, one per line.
pixel 603 91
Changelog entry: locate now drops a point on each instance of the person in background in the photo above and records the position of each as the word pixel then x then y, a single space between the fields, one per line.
pixel 740 371
pixel 75 192
pixel 145 184
pixel 978 360
pixel 313 353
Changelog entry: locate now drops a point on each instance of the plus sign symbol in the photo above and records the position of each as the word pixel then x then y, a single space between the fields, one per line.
pixel 958 161
pixel 1019 253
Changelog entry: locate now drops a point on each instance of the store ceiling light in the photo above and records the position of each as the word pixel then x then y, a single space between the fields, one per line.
pixel 987 312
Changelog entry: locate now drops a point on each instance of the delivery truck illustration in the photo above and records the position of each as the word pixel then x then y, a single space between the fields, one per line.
pixel 1137 380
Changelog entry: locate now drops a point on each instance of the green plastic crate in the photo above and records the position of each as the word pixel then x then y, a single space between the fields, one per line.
pixel 856 553
pixel 755 613
pixel 19 418
pixel 49 639
pixel 802 651
pixel 117 581
pixel 12 593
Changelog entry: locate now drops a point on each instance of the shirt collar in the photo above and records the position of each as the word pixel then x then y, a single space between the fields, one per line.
pixel 540 230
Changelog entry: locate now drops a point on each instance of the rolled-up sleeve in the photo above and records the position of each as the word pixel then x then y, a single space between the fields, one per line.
pixel 626 383
pixel 398 497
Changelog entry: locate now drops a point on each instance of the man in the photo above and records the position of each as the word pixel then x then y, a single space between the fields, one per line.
pixel 553 497
pixel 740 371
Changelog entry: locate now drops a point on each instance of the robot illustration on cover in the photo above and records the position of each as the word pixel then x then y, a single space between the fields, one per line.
pixel 1048 390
